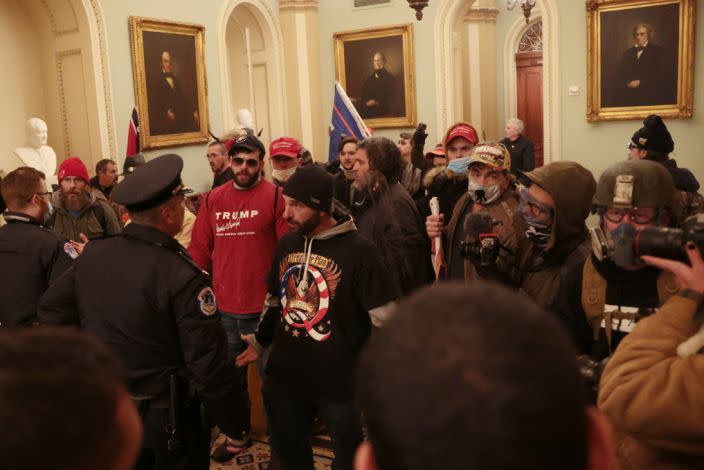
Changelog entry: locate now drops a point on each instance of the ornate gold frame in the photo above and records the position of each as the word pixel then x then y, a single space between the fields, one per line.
pixel 409 67
pixel 137 26
pixel 685 83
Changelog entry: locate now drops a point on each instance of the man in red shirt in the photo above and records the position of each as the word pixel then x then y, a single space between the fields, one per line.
pixel 235 236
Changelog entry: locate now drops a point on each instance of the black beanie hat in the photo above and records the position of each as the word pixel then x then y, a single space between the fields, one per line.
pixel 654 136
pixel 311 185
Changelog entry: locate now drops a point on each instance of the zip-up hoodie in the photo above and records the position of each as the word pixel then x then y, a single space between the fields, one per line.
pixel 325 292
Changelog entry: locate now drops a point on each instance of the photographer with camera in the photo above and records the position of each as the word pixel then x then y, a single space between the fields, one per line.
pixel 601 299
pixel 487 207
pixel 651 387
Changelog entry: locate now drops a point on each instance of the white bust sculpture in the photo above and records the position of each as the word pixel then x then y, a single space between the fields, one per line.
pixel 37 153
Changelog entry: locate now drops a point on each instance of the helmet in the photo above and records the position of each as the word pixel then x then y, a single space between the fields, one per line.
pixel 637 183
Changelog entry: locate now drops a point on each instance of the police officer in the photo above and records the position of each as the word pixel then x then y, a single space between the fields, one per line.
pixel 31 255
pixel 602 298
pixel 164 325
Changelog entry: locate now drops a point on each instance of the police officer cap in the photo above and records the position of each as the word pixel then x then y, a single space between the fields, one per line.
pixel 151 184
pixel 249 143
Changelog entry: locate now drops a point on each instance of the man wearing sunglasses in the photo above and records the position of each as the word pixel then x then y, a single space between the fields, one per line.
pixel 602 298
pixel 31 254
pixel 234 238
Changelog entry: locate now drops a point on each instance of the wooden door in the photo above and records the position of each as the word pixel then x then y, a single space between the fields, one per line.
pixel 529 83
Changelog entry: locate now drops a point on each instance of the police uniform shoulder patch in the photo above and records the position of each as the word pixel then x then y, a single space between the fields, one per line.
pixel 206 301
pixel 70 250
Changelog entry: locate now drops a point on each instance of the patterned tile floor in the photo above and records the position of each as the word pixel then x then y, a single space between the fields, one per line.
pixel 257 457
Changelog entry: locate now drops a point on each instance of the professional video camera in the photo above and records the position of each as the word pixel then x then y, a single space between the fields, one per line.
pixel 482 242
pixel 625 247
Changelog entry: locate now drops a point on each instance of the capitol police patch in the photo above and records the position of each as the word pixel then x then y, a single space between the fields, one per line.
pixel 70 250
pixel 206 300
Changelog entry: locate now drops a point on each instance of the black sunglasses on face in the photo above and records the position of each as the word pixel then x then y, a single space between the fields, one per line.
pixel 249 162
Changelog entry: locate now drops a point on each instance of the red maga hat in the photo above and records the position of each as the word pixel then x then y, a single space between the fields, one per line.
pixel 286 146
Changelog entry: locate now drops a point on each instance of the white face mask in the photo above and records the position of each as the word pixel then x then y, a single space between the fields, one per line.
pixel 483 194
pixel 283 175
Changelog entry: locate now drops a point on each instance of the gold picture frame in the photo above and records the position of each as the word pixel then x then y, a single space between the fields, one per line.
pixel 384 98
pixel 629 78
pixel 170 86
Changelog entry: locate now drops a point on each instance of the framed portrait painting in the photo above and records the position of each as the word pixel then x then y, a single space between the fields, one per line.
pixel 376 67
pixel 640 59
pixel 170 82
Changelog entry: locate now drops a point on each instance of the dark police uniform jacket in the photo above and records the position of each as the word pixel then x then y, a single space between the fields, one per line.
pixel 161 319
pixel 32 257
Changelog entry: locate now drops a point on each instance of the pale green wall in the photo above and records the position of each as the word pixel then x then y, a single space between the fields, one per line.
pixel 340 15
pixel 597 145
pixel 196 172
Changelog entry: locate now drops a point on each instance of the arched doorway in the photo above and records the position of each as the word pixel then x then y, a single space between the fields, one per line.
pixel 529 86
pixel 448 91
pixel 60 75
pixel 252 66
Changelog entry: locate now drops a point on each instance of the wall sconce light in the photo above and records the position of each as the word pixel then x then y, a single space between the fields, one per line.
pixel 418 6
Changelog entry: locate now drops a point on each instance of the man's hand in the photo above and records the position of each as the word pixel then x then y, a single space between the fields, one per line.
pixel 633 84
pixel 434 225
pixel 79 247
pixel 372 103
pixel 171 115
pixel 250 354
pixel 688 277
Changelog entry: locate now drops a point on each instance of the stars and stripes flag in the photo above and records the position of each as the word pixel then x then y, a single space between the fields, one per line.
pixel 133 135
pixel 345 121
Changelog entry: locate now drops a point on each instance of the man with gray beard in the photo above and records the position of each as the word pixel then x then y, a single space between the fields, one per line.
pixel 78 215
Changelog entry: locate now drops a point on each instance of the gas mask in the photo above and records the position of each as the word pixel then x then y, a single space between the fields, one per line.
pixel 538 217
pixel 483 194
pixel 283 175
pixel 616 246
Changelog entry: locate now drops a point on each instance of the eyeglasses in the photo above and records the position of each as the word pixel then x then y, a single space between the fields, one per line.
pixel 251 163
pixel 534 209
pixel 639 215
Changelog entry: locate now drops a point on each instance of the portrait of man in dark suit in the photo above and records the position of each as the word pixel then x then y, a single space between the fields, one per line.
pixel 639 56
pixel 378 90
pixel 643 75
pixel 171 110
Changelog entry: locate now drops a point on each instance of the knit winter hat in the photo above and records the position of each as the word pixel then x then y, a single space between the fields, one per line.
pixel 654 136
pixel 311 185
pixel 73 167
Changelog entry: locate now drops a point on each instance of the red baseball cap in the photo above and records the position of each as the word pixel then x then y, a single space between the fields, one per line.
pixel 438 151
pixel 463 130
pixel 73 167
pixel 286 146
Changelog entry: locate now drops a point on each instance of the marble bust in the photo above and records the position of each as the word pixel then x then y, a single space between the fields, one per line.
pixel 36 153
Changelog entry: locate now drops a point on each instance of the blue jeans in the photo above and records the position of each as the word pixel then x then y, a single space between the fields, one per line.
pixel 291 421
pixel 236 325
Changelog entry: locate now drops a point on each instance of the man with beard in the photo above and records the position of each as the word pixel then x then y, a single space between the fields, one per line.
pixel 31 254
pixel 80 216
pixel 343 180
pixel 387 215
pixel 326 287
pixel 219 163
pixel 490 192
pixel 235 235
